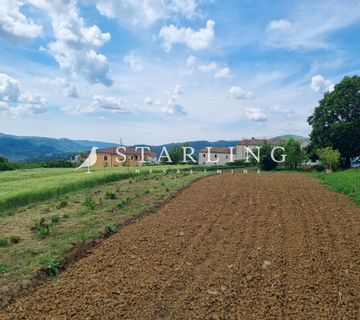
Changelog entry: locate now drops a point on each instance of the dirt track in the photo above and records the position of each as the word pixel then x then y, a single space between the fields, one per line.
pixel 269 246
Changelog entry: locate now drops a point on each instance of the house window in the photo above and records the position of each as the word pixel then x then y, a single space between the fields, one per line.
pixel 227 157
pixel 216 156
pixel 105 158
pixel 204 155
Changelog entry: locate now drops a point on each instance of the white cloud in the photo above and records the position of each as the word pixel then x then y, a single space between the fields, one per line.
pixel 9 89
pixel 278 25
pixel 75 44
pixel 320 84
pixel 13 23
pixel 256 114
pixel 223 73
pixel 281 111
pixel 132 61
pixel 237 92
pixel 148 101
pixel 196 40
pixel 173 108
pixel 113 104
pixel 179 89
pixel 101 103
pixel 145 13
pixel 191 61
pixel 69 89
pixel 212 66
pixel 16 102
pixel 311 23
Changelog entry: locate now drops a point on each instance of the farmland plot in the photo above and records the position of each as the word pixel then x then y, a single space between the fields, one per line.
pixel 231 246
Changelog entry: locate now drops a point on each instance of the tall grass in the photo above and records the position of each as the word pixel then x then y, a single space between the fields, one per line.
pixel 346 182
pixel 25 187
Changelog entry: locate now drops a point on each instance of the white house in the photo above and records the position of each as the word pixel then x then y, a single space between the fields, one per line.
pixel 223 155
pixel 217 156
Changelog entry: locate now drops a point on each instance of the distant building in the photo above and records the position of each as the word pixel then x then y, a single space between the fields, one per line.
pixel 221 155
pixel 107 157
pixel 240 151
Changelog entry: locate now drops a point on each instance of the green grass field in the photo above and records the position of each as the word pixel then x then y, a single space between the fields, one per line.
pixel 23 187
pixel 346 182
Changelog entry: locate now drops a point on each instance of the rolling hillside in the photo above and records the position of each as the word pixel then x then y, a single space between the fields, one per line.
pixel 20 148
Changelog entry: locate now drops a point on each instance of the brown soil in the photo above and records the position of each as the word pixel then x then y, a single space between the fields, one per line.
pixel 268 246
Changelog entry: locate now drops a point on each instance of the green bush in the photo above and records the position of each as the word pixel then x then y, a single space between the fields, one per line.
pixel 14 239
pixel 52 265
pixel 89 203
pixel 62 204
pixel 55 218
pixel 41 228
pixel 4 242
pixel 123 203
pixel 111 230
pixel 109 195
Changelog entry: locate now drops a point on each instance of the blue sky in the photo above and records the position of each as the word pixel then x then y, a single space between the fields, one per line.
pixel 158 71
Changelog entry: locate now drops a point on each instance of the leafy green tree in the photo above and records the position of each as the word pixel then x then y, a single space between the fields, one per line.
pixel 329 157
pixel 294 154
pixel 266 162
pixel 336 120
pixel 5 165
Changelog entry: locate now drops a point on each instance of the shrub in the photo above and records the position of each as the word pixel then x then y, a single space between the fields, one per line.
pixel 41 228
pixel 111 230
pixel 51 264
pixel 82 212
pixel 62 204
pixel 4 268
pixel 14 239
pixel 109 195
pixel 89 203
pixel 55 218
pixel 4 242
pixel 123 203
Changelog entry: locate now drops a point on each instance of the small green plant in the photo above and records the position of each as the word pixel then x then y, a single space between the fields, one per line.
pixel 162 183
pixel 82 212
pixel 14 239
pixel 55 218
pixel 167 190
pixel 4 268
pixel 123 203
pixel 89 203
pixel 146 191
pixel 41 228
pixel 62 204
pixel 4 242
pixel 111 230
pixel 53 266
pixel 66 215
pixel 109 195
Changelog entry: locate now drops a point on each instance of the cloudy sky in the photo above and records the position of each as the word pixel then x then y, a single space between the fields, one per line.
pixel 157 71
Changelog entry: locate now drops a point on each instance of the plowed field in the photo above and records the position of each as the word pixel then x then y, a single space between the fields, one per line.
pixel 231 246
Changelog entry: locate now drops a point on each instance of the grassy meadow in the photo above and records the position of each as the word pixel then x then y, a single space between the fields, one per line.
pixel 24 187
pixel 346 182
pixel 42 234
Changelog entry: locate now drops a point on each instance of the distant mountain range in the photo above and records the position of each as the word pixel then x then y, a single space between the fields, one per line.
pixel 20 148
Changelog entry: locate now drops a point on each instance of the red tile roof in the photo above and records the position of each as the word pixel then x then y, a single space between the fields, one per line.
pixel 129 151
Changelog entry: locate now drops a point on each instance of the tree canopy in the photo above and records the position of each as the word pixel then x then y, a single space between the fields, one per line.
pixel 336 120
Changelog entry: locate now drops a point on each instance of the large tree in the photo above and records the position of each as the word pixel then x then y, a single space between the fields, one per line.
pixel 336 120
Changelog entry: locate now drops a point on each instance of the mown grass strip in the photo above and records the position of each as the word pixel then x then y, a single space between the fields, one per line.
pixel 346 182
